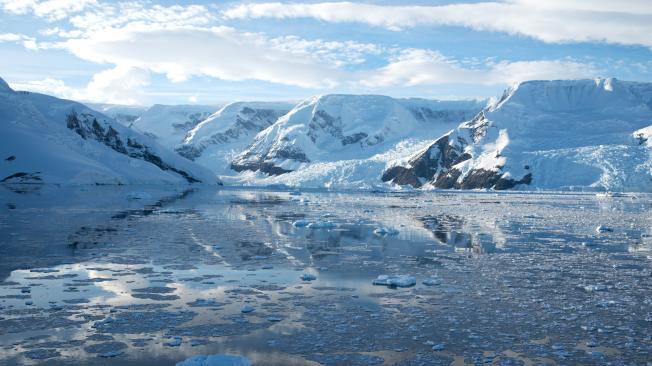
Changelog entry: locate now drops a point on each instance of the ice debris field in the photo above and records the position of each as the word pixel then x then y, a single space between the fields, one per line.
pixel 116 276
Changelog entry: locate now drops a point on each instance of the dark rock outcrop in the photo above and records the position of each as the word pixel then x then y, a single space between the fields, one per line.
pixel 88 127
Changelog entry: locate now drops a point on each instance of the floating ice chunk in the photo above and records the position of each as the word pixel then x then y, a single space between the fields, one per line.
pixel 594 288
pixel 603 229
pixel 395 281
pixel 431 282
pixel 246 308
pixel 295 193
pixel 267 266
pixel 322 225
pixel 308 277
pixel 274 318
pixel 385 231
pixel 29 302
pixel 439 347
pixel 215 360
pixel 301 223
pixel 610 194
pixel 175 342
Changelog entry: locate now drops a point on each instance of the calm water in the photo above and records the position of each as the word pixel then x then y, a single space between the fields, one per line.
pixel 128 276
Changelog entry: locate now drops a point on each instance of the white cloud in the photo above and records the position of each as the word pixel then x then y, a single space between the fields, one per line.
pixel 27 41
pixel 119 85
pixel 122 14
pixel 48 9
pixel 422 67
pixel 627 22
pixel 335 52
pixel 136 40
pixel 220 52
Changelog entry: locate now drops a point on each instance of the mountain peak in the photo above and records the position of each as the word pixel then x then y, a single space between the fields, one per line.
pixel 4 87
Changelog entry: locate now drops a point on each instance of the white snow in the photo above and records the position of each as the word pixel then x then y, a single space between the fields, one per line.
pixel 125 114
pixel 346 141
pixel 169 124
pixel 568 134
pixel 215 360
pixel 36 140
pixel 218 138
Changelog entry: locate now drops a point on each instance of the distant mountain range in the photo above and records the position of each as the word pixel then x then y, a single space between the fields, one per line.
pixel 552 135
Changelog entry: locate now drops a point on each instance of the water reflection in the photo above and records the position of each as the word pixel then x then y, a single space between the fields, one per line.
pixel 96 276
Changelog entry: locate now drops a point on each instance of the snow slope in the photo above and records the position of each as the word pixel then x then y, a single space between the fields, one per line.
pixel 169 124
pixel 345 140
pixel 563 134
pixel 217 139
pixel 49 140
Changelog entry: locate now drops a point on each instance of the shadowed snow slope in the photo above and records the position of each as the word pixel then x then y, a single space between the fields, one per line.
pixel 575 134
pixel 50 140
pixel 217 139
pixel 345 140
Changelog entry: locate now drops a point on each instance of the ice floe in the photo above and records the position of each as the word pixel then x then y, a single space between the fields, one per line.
pixel 395 281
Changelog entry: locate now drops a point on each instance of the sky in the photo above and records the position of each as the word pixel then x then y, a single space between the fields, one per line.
pixel 211 52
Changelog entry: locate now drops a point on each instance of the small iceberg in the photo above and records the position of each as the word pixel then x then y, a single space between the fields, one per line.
pixel 246 308
pixel 594 288
pixel 395 281
pixel 215 360
pixel 322 225
pixel 439 347
pixel 174 342
pixel 308 277
pixel 385 231
pixel 301 223
pixel 431 282
pixel 603 229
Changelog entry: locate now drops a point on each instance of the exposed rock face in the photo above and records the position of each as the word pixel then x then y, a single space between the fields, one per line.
pixel 555 134
pixel 231 127
pixel 347 127
pixel 87 126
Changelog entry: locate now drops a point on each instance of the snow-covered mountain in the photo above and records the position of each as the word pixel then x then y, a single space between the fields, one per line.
pixel 217 139
pixel 49 140
pixel 339 138
pixel 169 124
pixel 125 114
pixel 577 134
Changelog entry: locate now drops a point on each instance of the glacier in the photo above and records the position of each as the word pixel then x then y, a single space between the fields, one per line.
pixel 344 141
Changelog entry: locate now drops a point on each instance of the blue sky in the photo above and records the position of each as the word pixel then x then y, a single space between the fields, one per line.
pixel 145 52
